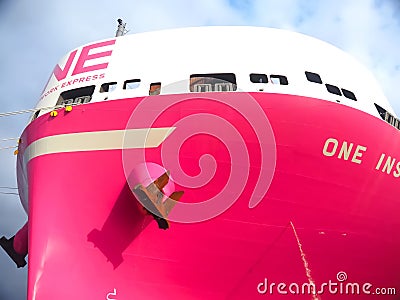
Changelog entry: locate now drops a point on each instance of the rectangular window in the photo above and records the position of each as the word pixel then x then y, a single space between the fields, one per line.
pixel 155 88
pixel 279 79
pixel 348 94
pixel 258 78
pixel 131 84
pixel 108 87
pixel 333 89
pixel 75 96
pixel 313 77
pixel 215 82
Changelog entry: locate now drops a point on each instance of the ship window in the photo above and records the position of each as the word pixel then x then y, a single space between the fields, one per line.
pixel 313 77
pixel 279 79
pixel 108 87
pixel 36 114
pixel 215 82
pixel 131 84
pixel 381 111
pixel 155 88
pixel 333 89
pixel 76 96
pixel 348 94
pixel 258 78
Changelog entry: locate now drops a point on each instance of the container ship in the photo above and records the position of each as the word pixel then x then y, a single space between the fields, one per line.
pixel 224 162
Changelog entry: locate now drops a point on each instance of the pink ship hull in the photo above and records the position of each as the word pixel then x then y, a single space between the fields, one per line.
pixel 321 215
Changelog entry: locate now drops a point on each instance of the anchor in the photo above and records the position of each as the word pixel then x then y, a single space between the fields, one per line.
pixel 8 246
pixel 151 197
pixel 17 246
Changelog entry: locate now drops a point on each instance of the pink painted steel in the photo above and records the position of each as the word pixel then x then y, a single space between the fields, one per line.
pixel 321 215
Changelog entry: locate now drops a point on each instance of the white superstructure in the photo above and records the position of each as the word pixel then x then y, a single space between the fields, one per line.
pixel 260 59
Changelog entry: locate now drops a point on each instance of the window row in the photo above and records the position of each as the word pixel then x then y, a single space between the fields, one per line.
pixel 128 85
pixel 212 82
pixel 333 89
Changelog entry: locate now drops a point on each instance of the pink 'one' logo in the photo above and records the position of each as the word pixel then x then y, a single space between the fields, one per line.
pixel 80 68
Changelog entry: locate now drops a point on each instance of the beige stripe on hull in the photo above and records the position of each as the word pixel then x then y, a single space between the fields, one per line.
pixel 98 140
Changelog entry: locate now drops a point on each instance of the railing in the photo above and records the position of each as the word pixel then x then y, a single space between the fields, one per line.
pixel 388 117
pixel 392 120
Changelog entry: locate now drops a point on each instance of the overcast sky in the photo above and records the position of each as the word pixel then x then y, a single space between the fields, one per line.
pixel 35 34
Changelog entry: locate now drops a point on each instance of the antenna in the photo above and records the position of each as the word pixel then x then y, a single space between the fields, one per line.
pixel 121 28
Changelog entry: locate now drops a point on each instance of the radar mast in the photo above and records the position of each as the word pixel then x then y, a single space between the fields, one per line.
pixel 121 31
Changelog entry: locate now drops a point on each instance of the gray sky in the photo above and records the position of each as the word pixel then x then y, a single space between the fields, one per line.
pixel 35 34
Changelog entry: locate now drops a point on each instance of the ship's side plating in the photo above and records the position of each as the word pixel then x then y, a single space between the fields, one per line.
pixel 296 117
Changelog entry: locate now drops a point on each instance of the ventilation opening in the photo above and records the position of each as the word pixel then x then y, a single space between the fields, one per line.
pixel 76 96
pixel 313 77
pixel 131 84
pixel 108 87
pixel 216 82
